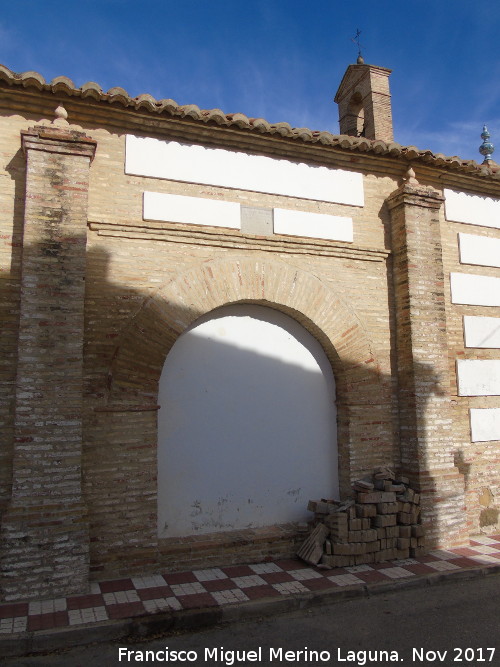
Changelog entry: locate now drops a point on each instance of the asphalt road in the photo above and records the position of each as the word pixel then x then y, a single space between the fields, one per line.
pixel 455 623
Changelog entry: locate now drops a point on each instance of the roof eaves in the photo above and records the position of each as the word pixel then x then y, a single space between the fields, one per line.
pixel 117 95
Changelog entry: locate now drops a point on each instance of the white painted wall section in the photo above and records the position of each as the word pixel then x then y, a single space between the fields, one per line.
pixel 479 250
pixel 312 225
pixel 247 424
pixel 482 331
pixel 472 209
pixel 190 210
pixel 145 156
pixel 485 424
pixel 478 377
pixel 475 290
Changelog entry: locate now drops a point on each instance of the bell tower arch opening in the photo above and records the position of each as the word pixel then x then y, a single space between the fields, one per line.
pixel 356 116
pixel 247 429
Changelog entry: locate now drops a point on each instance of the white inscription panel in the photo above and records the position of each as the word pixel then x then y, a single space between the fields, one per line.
pixel 485 424
pixel 475 290
pixel 482 331
pixel 478 377
pixel 190 210
pixel 480 250
pixel 472 209
pixel 145 156
pixel 312 225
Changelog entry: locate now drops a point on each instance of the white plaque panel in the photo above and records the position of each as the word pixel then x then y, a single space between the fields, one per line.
pixel 478 377
pixel 481 331
pixel 472 209
pixel 480 250
pixel 312 225
pixel 475 290
pixel 190 210
pixel 485 424
pixel 191 163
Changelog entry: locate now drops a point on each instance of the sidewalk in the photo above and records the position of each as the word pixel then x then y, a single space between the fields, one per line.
pixel 187 600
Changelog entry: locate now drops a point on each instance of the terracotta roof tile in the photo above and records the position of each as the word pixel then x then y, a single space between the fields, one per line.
pixel 147 102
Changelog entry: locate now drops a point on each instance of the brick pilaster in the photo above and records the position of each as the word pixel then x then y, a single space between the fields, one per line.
pixel 44 529
pixel 427 446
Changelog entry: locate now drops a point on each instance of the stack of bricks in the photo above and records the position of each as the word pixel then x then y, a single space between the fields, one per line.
pixel 380 523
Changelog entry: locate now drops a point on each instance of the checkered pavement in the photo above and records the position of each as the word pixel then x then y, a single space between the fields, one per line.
pixel 137 596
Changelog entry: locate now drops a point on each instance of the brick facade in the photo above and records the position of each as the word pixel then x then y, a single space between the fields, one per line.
pixel 95 295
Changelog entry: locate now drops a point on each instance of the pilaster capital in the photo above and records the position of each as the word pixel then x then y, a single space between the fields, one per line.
pixel 410 194
pixel 58 140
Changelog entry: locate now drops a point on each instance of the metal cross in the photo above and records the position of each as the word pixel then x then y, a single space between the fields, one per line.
pixel 355 39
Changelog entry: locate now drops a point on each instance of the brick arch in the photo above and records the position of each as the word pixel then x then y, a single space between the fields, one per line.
pixel 144 345
pixel 140 355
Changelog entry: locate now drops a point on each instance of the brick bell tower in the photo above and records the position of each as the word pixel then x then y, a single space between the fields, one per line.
pixel 364 102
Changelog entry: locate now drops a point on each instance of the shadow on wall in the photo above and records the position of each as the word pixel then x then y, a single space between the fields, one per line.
pixel 9 317
pixel 120 451
pixel 488 514
pixel 120 420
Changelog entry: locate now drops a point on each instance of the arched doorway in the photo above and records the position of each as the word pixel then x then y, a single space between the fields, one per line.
pixel 247 425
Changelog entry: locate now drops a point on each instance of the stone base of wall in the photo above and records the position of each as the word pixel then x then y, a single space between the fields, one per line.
pixel 253 545
pixel 45 551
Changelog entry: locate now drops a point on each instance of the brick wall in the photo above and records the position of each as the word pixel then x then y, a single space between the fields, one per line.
pixel 379 306
pixel 478 462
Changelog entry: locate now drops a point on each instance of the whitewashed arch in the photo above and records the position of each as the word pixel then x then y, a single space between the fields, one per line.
pixel 247 424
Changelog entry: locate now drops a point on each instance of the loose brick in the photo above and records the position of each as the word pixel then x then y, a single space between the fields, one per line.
pixel 365 558
pixel 393 531
pixel 405 531
pixel 376 497
pixel 417 530
pixel 383 520
pixel 355 524
pixel 384 554
pixel 311 550
pixel 359 524
pixel 416 552
pixel 362 535
pixel 387 508
pixel 407 495
pixel 336 561
pixel 336 520
pixel 365 511
pixel 351 549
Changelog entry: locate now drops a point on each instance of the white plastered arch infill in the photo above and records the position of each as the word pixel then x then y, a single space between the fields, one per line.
pixel 247 429
pixel 140 355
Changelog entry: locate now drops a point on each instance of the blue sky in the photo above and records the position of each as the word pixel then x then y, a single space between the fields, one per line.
pixel 281 60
